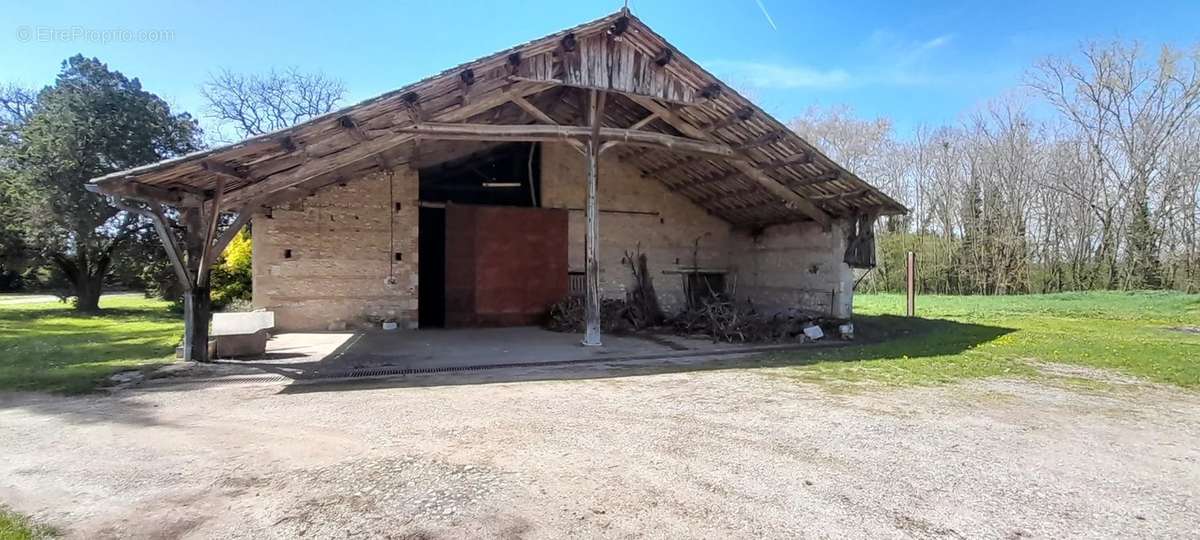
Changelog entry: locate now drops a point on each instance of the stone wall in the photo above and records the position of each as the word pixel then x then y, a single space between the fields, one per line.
pixel 634 210
pixel 344 239
pixel 796 265
pixel 343 244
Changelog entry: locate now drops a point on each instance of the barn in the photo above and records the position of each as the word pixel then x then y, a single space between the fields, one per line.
pixel 483 194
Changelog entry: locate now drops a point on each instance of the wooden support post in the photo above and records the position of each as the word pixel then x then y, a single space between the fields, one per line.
pixel 911 281
pixel 591 310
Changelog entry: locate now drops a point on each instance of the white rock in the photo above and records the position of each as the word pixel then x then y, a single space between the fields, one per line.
pixel 814 332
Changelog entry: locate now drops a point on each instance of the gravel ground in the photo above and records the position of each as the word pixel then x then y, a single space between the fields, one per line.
pixel 590 453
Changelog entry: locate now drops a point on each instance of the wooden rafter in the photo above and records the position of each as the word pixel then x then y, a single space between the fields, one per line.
pixel 540 116
pixel 791 198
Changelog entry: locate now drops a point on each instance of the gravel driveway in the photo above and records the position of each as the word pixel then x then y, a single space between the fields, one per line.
pixel 589 453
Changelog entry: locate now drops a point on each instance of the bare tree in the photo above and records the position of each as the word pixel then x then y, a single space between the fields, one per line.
pixel 1103 194
pixel 252 104
pixel 1128 109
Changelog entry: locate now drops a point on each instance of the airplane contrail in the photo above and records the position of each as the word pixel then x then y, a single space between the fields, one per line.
pixel 767 15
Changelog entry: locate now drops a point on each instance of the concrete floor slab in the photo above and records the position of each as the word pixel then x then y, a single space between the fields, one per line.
pixel 331 354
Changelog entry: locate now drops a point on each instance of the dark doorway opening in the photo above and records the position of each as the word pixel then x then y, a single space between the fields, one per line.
pixel 431 268
pixel 502 175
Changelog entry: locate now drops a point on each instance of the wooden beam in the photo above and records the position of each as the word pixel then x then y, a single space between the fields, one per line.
pixel 737 117
pixel 791 198
pixel 151 194
pixel 841 196
pixel 762 140
pixel 214 216
pixel 803 158
pixel 819 179
pixel 520 132
pixel 645 121
pixel 540 116
pixel 155 215
pixel 243 216
pixel 365 150
pixel 591 336
pixel 223 171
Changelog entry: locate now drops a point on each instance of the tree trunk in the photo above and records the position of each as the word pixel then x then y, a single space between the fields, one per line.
pixel 87 294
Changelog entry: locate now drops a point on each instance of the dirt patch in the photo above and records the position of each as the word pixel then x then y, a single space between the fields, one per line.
pixel 1073 371
pixel 1186 329
pixel 721 453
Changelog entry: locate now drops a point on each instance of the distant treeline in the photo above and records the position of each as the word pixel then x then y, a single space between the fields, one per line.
pixel 1098 190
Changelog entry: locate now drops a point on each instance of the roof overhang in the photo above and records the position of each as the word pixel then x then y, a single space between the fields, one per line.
pixel 687 129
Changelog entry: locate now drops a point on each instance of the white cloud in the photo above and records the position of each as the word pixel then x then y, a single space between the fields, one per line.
pixel 769 75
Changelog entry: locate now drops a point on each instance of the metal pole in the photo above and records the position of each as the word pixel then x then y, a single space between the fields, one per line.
pixel 591 335
pixel 911 278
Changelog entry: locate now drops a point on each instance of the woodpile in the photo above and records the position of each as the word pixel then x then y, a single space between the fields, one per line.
pixel 727 321
pixel 567 316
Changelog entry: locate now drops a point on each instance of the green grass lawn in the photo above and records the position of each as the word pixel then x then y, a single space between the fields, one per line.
pixel 49 347
pixel 14 526
pixel 960 337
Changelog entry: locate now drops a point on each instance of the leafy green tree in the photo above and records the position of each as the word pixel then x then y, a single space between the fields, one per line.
pixel 91 122
pixel 232 276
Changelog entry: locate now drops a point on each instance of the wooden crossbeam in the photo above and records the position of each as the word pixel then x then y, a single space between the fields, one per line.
pixel 644 122
pixel 503 132
pixel 791 198
pixel 366 150
pixel 540 116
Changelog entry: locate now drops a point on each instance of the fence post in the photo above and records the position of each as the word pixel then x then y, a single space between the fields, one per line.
pixel 911 281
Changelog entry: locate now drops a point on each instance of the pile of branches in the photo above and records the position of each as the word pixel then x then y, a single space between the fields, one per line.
pixel 641 300
pixel 567 316
pixel 727 321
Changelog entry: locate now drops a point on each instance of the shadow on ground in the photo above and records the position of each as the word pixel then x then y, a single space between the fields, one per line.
pixel 880 338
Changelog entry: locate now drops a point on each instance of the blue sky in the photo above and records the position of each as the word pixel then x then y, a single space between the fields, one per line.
pixel 919 62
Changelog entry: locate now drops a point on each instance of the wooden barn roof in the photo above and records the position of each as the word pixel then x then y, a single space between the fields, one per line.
pixel 665 115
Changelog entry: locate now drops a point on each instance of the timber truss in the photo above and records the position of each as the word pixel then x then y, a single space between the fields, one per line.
pixel 607 85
